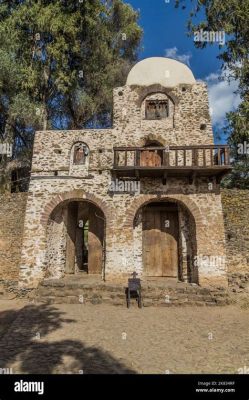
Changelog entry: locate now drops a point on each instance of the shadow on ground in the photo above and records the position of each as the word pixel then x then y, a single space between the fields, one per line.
pixel 23 346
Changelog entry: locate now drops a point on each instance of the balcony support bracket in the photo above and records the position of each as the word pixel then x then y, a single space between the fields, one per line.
pixel 164 179
pixel 192 178
pixel 137 174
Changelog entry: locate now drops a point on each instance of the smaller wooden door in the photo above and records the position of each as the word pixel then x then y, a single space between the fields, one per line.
pixel 151 158
pixel 160 242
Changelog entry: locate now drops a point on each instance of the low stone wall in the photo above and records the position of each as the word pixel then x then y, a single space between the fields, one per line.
pixel 12 212
pixel 236 217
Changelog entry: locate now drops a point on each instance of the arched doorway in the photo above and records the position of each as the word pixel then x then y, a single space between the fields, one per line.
pixel 165 235
pixel 151 156
pixel 75 239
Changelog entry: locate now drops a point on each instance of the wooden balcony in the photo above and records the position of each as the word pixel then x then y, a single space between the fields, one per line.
pixel 172 161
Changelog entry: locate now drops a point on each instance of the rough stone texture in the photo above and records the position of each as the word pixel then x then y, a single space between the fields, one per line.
pixel 239 282
pixel 53 153
pixel 235 204
pixel 12 212
pixel 236 216
pixel 154 293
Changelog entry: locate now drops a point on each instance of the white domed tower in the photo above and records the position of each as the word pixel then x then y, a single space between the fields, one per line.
pixel 162 98
pixel 143 196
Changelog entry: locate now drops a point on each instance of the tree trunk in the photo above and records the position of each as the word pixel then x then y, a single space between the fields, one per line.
pixel 44 97
pixel 45 118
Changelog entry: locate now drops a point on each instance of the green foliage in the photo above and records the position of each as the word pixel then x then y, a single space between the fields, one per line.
pixel 231 16
pixel 239 138
pixel 59 61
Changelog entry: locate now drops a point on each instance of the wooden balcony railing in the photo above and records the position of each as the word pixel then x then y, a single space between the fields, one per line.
pixel 176 160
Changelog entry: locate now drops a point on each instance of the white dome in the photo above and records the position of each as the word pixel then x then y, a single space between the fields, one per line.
pixel 160 70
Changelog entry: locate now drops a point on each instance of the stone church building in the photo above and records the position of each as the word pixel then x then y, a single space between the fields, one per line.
pixel 143 196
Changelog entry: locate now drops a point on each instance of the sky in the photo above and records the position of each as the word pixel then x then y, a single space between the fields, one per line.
pixel 165 35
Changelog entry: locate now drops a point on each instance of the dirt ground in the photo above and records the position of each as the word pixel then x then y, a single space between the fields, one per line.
pixel 108 339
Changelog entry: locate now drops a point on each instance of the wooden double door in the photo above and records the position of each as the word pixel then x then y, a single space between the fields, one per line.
pixel 160 241
pixel 85 237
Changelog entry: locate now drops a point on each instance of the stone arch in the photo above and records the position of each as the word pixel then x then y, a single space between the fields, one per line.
pixel 182 199
pixel 75 195
pixel 152 89
pixel 152 137
pixel 190 237
pixel 66 252
pixel 153 142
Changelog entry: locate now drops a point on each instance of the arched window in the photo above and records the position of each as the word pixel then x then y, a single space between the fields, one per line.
pixel 80 153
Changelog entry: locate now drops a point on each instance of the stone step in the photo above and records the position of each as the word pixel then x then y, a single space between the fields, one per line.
pixel 104 288
pixel 57 291
pixel 120 302
pixel 85 294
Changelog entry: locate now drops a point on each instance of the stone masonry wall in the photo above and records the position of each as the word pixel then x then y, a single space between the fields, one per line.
pixel 120 210
pixel 12 212
pixel 191 110
pixel 53 180
pixel 52 149
pixel 236 216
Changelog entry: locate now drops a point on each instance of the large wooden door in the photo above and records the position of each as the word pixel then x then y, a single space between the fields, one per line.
pixel 160 242
pixel 71 223
pixel 95 240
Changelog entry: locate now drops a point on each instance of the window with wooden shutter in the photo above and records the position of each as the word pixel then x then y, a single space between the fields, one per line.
pixel 156 109
pixel 80 154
